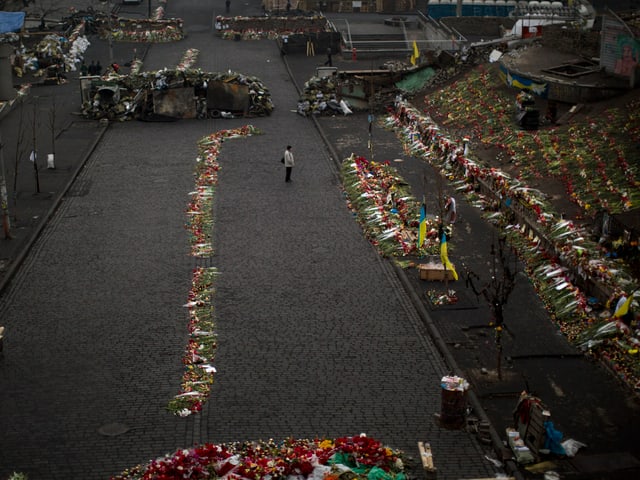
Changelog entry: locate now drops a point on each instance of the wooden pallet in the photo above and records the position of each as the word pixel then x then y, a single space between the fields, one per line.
pixel 427 461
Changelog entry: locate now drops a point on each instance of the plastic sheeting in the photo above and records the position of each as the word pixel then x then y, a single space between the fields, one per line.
pixel 415 81
pixel 11 21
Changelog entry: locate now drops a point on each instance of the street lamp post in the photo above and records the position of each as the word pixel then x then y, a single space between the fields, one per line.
pixel 110 35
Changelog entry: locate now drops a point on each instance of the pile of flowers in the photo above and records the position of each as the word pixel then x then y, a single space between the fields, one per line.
pixel 387 212
pixel 556 252
pixel 269 27
pixel 147 31
pixel 188 59
pixel 158 14
pixel 437 298
pixel 595 160
pixel 345 458
pixel 250 34
pixel 136 67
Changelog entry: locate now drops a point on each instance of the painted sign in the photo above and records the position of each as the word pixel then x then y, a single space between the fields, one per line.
pixel 619 50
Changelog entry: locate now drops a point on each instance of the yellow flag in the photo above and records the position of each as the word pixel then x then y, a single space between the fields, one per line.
pixel 422 229
pixel 624 308
pixel 444 257
pixel 416 53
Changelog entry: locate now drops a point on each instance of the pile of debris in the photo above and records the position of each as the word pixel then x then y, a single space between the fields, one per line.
pixel 177 93
pixel 53 52
pixel 319 97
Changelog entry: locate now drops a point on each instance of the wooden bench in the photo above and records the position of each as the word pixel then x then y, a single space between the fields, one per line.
pixel 427 461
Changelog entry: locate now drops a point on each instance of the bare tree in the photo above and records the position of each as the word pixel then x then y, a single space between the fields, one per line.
pixel 497 289
pixel 52 131
pixel 20 152
pixel 46 7
pixel 4 202
pixel 34 152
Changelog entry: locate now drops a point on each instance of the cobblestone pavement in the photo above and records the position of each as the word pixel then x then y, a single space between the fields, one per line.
pixel 317 334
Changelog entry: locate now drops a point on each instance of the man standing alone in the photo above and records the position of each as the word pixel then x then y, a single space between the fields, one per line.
pixel 329 60
pixel 288 163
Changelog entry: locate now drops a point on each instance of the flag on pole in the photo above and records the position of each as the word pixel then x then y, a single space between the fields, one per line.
pixel 444 257
pixel 422 229
pixel 416 53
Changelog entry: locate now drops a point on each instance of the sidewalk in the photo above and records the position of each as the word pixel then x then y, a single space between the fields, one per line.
pixel 586 403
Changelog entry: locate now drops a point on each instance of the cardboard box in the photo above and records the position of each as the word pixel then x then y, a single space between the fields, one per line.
pixel 434 272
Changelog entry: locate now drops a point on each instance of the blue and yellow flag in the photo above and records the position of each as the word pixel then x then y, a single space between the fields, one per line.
pixel 416 53
pixel 444 257
pixel 422 230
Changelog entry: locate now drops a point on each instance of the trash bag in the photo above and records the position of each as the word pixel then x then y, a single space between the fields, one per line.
pixel 334 105
pixel 552 439
pixel 572 446
pixel 345 108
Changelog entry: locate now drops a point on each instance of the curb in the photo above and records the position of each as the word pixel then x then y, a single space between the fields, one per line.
pixel 22 253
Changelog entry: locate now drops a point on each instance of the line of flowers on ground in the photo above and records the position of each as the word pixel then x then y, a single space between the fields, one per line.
pixel 388 214
pixel 346 458
pixel 198 372
pixel 566 303
pixel 188 60
pixel 156 29
pixel 199 211
pixel 232 28
pixel 601 337
pixel 422 138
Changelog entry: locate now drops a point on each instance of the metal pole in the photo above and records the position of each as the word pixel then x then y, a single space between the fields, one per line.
pixel 34 153
pixel 149 9
pixel 4 201
pixel 110 36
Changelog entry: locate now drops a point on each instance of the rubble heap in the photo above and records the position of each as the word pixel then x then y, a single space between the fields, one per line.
pixel 124 97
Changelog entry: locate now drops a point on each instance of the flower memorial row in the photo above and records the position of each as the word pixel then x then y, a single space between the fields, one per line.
pixel 197 377
pixel 345 458
pixel 385 209
pixel 198 372
pixel 565 254
pixel 188 60
pixel 156 29
pixel 268 27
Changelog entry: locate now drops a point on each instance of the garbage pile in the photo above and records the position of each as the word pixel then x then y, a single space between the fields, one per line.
pixel 319 97
pixel 53 50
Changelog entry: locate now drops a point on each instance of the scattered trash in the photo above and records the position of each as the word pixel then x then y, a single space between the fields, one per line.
pixel 572 446
pixel 496 463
